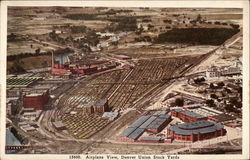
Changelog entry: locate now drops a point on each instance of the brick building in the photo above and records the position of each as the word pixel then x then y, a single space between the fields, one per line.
pixel 36 100
pixel 187 116
pixel 196 131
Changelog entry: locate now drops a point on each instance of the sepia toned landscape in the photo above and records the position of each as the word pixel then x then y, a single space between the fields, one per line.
pixel 103 80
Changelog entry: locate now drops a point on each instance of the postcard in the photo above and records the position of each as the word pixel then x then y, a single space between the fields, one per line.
pixel 123 80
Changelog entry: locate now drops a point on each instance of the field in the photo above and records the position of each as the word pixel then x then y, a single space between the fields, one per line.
pixel 29 63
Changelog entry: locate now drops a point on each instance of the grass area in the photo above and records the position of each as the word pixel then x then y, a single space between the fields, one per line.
pixel 222 16
pixel 28 63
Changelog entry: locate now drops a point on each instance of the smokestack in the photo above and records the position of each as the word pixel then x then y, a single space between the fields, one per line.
pixel 52 60
pixel 61 61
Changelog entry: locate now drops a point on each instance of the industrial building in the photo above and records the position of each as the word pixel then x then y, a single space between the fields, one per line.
pixel 36 100
pixel 30 114
pixel 66 70
pixel 224 70
pixel 154 123
pixel 187 116
pixel 100 106
pixel 59 125
pixel 211 114
pixel 196 131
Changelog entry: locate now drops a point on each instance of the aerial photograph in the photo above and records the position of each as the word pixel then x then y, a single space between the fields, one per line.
pixel 124 80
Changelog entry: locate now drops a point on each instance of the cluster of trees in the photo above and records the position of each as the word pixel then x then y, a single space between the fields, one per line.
pixel 218 85
pixel 143 39
pixel 17 67
pixel 123 24
pixel 199 80
pixel 82 16
pixel 112 11
pixel 146 20
pixel 168 21
pixel 202 36
pixel 78 29
pixel 25 55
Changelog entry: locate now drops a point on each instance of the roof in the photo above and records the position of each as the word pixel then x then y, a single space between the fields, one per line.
pixel 127 132
pixel 157 113
pixel 150 138
pixel 90 104
pixel 20 81
pixel 110 115
pixel 11 140
pixel 189 113
pixel 101 102
pixel 140 121
pixel 157 123
pixel 196 127
pixel 193 105
pixel 34 94
pixel 149 121
pixel 58 124
pixel 224 117
pixel 136 134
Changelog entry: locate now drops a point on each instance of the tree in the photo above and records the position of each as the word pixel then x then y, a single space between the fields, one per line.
pixel 37 50
pixel 211 85
pixel 179 102
pixel 198 19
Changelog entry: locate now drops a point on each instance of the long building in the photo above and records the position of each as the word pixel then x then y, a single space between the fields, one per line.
pixel 196 131
pixel 154 123
pixel 187 116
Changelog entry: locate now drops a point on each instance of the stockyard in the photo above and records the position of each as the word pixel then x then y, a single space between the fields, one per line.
pixel 147 68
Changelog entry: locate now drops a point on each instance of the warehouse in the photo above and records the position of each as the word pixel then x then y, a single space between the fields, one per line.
pixel 101 106
pixel 154 123
pixel 36 100
pixel 196 131
pixel 221 118
pixel 159 124
pixel 131 134
pixel 187 116
pixel 59 125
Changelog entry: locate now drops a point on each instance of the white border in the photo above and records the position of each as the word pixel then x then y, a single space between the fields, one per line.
pixel 160 4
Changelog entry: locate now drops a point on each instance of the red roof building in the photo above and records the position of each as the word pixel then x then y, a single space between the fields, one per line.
pixel 196 131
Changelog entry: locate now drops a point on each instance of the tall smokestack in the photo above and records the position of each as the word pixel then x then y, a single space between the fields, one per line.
pixel 52 60
pixel 61 65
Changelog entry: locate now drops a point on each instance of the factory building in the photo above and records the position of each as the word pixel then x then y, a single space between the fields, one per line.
pixel 151 123
pixel 224 71
pixel 100 106
pixel 36 100
pixel 187 116
pixel 59 125
pixel 196 131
